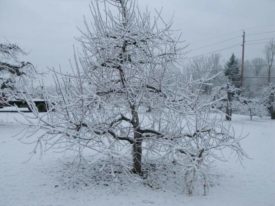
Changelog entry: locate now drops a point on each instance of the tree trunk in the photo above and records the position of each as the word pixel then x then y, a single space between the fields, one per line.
pixel 273 110
pixel 269 74
pixel 228 112
pixel 137 145
pixel 250 113
pixel 271 107
pixel 137 153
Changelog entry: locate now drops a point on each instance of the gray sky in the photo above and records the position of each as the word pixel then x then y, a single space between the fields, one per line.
pixel 47 28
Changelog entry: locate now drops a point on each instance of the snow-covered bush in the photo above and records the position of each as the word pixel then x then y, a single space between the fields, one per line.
pixel 268 99
pixel 229 99
pixel 206 137
pixel 250 106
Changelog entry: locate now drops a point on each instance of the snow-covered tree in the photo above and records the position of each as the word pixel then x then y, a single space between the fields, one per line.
pixel 268 98
pixel 206 67
pixel 12 70
pixel 253 79
pixel 258 65
pixel 124 70
pixel 232 71
pixel 223 97
pixel 126 67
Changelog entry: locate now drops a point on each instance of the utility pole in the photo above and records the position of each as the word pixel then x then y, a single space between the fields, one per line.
pixel 270 53
pixel 242 65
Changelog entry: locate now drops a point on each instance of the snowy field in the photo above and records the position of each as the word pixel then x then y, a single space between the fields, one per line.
pixel 39 181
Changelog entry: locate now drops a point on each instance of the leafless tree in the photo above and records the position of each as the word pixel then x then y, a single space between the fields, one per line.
pixel 126 66
pixel 124 69
pixel 205 67
pixel 258 64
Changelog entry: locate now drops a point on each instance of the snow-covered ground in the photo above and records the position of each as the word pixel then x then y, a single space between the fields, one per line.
pixel 37 181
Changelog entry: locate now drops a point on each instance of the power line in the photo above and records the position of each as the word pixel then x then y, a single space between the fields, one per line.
pixel 232 38
pixel 259 77
pixel 256 40
pixel 265 32
pixel 264 64
pixel 233 46
pixel 248 43
pixel 214 51
pixel 216 43
pixel 221 35
pixel 251 44
pixel 262 26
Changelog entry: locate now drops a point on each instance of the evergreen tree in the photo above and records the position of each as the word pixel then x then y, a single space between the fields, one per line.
pixel 12 70
pixel 232 71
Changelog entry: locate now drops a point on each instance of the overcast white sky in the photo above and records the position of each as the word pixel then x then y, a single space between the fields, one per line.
pixel 47 28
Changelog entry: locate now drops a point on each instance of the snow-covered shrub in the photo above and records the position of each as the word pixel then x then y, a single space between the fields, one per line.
pixel 250 106
pixel 268 99
pixel 206 137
